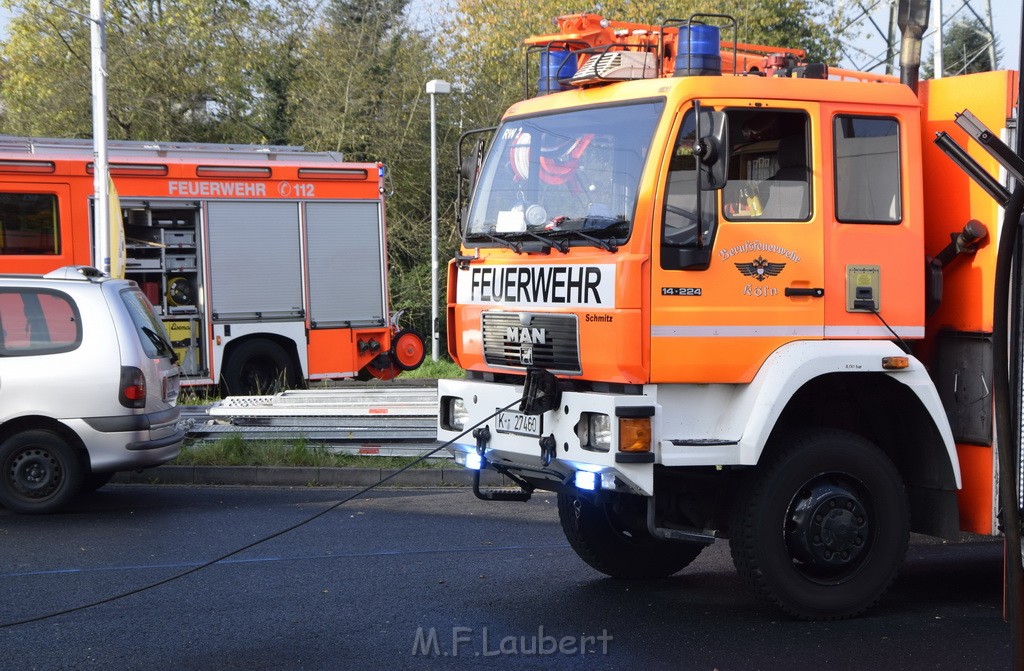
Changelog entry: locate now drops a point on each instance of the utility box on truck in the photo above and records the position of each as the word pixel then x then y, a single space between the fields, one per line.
pixel 268 265
pixel 709 290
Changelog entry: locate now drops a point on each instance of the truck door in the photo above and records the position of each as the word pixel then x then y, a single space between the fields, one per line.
pixel 751 279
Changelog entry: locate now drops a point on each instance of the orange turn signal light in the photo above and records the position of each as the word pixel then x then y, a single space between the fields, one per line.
pixel 634 434
pixel 895 362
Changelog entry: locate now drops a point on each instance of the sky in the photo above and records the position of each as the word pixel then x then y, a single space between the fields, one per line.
pixel 1006 16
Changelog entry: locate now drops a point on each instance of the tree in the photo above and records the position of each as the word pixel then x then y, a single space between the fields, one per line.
pixel 967 47
pixel 203 70
pixel 359 90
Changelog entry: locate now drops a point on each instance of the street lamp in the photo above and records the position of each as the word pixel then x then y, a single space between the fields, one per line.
pixel 101 168
pixel 101 172
pixel 434 88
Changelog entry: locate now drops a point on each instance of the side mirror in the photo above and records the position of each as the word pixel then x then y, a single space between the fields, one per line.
pixel 712 149
pixel 469 165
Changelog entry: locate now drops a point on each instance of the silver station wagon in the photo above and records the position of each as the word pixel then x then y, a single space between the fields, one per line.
pixel 88 386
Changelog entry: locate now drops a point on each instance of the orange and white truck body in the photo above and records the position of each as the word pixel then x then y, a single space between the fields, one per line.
pixel 698 367
pixel 268 265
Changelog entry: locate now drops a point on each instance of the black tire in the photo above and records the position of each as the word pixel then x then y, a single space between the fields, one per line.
pixel 258 367
pixel 41 473
pixel 612 537
pixel 824 528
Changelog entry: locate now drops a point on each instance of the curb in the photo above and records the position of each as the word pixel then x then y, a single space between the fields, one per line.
pixel 300 476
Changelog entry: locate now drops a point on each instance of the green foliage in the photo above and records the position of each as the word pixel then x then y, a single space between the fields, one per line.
pixel 435 370
pixel 203 70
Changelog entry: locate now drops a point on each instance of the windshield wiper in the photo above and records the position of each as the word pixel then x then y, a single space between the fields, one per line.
pixel 516 247
pixel 598 242
pixel 578 232
pixel 562 246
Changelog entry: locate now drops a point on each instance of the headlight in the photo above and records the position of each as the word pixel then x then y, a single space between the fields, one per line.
pixel 595 432
pixel 456 415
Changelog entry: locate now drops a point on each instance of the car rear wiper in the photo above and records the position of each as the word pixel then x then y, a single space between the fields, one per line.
pixel 162 346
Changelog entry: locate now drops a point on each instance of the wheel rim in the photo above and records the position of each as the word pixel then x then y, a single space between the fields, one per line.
pixel 35 473
pixel 409 350
pixel 829 529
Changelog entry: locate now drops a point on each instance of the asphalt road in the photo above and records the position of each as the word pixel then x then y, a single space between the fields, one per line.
pixel 405 579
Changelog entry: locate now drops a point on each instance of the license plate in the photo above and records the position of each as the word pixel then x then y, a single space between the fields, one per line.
pixel 172 386
pixel 518 423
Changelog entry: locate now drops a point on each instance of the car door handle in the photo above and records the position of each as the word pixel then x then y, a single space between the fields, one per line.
pixel 813 292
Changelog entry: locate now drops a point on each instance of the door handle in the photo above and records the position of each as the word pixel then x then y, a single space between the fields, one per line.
pixel 813 292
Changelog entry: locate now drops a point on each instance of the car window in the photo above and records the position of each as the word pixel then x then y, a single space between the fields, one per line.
pixel 38 321
pixel 148 326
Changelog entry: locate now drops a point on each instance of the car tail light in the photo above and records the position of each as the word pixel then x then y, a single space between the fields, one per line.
pixel 132 393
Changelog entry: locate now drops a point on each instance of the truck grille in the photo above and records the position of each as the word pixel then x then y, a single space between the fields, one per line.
pixel 518 340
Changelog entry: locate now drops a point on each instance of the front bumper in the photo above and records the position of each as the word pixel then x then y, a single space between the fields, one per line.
pixel 553 459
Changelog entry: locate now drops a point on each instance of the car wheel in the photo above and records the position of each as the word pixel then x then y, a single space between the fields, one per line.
pixel 824 527
pixel 41 472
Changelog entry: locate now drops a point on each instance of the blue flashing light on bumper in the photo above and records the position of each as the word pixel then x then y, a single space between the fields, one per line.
pixel 586 480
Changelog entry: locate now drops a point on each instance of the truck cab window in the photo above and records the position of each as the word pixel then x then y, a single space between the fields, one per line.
pixel 29 224
pixel 680 218
pixel 769 174
pixel 567 176
pixel 867 170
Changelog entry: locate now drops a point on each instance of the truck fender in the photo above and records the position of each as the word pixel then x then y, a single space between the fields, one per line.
pixel 792 366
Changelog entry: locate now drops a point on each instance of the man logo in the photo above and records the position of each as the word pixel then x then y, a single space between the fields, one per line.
pixel 526 355
pixel 526 335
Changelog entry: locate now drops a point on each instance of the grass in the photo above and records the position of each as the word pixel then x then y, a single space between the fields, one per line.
pixel 434 370
pixel 234 450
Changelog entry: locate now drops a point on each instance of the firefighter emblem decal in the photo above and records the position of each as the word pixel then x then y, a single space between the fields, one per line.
pixel 760 268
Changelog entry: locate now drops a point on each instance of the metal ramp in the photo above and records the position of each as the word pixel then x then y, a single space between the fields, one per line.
pixel 385 421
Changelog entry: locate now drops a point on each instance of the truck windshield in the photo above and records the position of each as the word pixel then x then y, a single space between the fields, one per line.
pixel 572 176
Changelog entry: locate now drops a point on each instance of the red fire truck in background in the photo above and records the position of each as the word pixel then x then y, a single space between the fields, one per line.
pixel 268 265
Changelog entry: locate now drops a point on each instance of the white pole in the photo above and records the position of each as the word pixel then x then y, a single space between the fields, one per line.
pixel 101 202
pixel 434 87
pixel 434 325
pixel 937 45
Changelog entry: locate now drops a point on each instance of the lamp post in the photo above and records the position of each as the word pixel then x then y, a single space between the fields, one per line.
pixel 434 87
pixel 101 169
pixel 101 202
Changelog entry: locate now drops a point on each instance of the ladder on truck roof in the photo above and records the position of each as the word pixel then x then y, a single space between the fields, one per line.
pixel 80 147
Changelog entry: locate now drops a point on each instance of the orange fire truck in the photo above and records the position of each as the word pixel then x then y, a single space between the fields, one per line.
pixel 709 290
pixel 267 264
